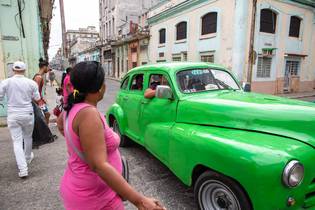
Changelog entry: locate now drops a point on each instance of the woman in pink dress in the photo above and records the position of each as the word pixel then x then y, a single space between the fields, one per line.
pixel 92 179
pixel 67 86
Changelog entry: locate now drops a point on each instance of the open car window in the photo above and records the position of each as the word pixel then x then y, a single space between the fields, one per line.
pixel 157 79
pixel 136 83
pixel 124 84
pixel 198 80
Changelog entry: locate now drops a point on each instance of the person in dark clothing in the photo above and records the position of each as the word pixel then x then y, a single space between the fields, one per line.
pixel 139 83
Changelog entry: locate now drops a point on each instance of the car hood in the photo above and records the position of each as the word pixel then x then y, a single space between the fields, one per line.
pixel 250 111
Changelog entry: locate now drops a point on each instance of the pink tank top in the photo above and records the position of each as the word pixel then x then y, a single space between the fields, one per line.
pixel 80 187
pixel 66 81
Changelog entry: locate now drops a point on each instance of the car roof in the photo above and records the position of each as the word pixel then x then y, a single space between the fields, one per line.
pixel 175 66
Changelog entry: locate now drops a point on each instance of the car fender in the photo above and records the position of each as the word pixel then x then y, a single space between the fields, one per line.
pixel 117 112
pixel 254 160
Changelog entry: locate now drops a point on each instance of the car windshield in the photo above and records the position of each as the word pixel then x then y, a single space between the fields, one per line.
pixel 198 80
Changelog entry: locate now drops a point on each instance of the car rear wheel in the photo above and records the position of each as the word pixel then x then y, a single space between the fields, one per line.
pixel 124 141
pixel 214 191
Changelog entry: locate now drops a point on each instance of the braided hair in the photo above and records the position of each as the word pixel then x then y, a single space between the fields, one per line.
pixel 86 77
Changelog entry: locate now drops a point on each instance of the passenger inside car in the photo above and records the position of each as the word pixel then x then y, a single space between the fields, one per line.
pixel 138 82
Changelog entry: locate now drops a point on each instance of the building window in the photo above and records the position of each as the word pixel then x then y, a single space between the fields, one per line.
pixel 293 66
pixel 295 25
pixel 184 55
pixel 207 58
pixel 176 57
pixel 209 23
pixel 161 54
pixel 134 64
pixel 133 50
pixel 162 36
pixel 181 31
pixel 268 21
pixel 264 67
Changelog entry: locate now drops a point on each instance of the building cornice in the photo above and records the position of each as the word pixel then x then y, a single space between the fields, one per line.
pixel 173 11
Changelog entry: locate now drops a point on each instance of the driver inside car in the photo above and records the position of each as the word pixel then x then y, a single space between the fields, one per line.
pixel 155 81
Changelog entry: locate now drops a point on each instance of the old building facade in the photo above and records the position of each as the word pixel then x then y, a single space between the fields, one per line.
pixel 122 29
pixel 79 41
pixel 220 31
pixel 24 35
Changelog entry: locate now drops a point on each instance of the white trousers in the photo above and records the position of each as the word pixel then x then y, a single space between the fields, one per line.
pixel 21 128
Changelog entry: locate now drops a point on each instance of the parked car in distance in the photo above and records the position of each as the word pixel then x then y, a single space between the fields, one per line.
pixel 238 150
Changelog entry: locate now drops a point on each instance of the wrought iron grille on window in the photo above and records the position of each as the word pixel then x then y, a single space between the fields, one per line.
pixel 207 58
pixel 176 58
pixel 264 67
pixel 293 67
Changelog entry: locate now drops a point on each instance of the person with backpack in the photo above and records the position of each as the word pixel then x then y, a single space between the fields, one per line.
pixel 20 92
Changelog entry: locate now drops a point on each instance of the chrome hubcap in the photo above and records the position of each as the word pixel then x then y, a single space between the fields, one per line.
pixel 214 195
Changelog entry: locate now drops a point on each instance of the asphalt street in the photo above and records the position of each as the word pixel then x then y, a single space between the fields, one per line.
pixel 40 191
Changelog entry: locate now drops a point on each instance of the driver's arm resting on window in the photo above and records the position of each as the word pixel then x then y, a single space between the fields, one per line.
pixel 149 93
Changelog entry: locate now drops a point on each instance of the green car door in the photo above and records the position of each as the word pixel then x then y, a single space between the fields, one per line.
pixel 157 118
pixel 131 105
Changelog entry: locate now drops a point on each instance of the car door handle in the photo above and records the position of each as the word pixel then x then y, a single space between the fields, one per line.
pixel 125 98
pixel 144 102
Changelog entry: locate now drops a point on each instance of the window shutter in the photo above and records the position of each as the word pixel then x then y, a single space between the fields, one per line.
pixel 209 23
pixel 181 31
pixel 268 21
pixel 264 67
pixel 162 36
pixel 295 25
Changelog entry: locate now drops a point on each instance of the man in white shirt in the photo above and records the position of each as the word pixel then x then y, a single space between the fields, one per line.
pixel 20 91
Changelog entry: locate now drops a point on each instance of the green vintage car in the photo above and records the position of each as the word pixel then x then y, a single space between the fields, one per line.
pixel 239 150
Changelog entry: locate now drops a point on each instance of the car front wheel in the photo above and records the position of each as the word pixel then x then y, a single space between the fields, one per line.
pixel 124 141
pixel 214 191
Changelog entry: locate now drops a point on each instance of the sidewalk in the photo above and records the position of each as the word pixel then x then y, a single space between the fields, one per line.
pixel 298 95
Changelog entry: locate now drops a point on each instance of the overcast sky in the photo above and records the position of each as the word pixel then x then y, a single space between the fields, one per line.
pixel 78 14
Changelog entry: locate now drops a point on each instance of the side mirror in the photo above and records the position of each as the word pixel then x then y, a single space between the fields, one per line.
pixel 246 87
pixel 164 91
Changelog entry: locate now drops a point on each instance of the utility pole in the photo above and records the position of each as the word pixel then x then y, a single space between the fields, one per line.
pixel 63 29
pixel 251 43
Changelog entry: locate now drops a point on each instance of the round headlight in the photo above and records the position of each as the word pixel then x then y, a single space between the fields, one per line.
pixel 293 173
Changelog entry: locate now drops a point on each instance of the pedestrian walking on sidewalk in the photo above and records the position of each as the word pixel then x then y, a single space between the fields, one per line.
pixel 93 177
pixel 67 86
pixel 20 91
pixel 39 79
pixel 52 78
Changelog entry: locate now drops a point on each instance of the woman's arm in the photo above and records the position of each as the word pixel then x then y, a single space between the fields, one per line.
pixel 60 123
pixel 91 132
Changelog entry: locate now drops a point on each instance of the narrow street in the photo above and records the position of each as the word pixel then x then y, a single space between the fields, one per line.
pixel 41 190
